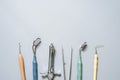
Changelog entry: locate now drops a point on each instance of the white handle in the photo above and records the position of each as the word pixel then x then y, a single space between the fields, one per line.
pixel 95 67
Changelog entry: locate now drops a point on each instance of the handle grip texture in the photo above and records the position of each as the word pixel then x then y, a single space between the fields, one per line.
pixel 95 67
pixel 35 72
pixel 22 68
pixel 79 69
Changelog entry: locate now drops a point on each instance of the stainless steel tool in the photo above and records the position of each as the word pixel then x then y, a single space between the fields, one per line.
pixel 51 74
pixel 70 72
pixel 71 64
pixel 64 73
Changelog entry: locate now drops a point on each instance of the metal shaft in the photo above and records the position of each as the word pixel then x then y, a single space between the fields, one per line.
pixel 64 73
pixel 51 58
pixel 71 64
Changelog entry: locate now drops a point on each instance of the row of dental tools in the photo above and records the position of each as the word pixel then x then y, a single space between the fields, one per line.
pixel 79 65
pixel 50 75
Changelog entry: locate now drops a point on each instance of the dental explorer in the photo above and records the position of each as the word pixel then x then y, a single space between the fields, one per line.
pixel 21 64
pixel 35 45
pixel 80 64
pixel 96 63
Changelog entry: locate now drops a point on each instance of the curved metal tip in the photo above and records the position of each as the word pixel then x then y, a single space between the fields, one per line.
pixel 35 44
pixel 83 46
pixel 99 46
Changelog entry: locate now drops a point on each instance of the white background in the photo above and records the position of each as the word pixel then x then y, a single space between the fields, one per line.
pixel 64 23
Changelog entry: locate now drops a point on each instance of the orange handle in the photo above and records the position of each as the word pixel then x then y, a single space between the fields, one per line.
pixel 22 68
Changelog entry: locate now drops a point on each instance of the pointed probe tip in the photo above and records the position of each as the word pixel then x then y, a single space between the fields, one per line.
pixel 19 48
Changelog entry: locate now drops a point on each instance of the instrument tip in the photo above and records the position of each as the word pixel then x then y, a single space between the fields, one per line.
pixel 51 45
pixel 19 48
pixel 99 46
pixel 83 46
pixel 35 44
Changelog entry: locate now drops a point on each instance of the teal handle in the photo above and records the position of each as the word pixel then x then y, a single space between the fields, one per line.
pixel 79 69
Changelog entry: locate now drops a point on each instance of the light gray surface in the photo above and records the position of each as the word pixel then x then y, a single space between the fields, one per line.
pixel 65 23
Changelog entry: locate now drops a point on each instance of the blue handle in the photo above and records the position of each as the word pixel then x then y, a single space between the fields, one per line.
pixel 79 67
pixel 35 73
